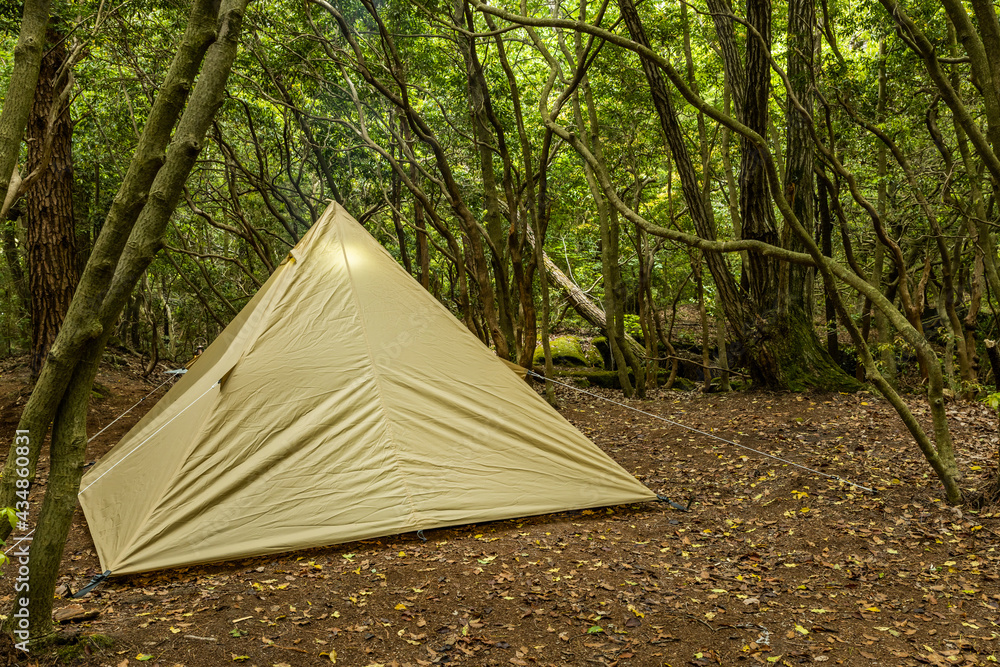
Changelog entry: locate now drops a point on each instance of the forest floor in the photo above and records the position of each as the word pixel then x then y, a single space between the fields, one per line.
pixel 773 565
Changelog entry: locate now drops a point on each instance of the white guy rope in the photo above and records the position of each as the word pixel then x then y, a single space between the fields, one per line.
pixel 149 436
pixel 32 531
pixel 127 411
pixel 705 433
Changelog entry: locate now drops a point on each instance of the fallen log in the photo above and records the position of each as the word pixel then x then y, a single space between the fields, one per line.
pixel 582 303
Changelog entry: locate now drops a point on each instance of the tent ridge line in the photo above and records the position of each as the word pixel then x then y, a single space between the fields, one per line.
pixel 391 441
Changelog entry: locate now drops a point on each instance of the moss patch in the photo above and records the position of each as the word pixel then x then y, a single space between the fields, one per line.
pixel 683 384
pixel 594 358
pixel 591 376
pixel 70 646
pixel 566 351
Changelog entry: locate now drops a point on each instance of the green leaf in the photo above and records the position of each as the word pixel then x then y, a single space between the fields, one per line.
pixel 143 657
pixel 11 516
pixel 594 629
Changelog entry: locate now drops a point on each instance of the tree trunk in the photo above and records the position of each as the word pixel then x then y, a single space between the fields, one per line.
pixel 534 219
pixel 28 54
pixel 826 247
pixel 701 214
pixel 720 339
pixel 706 341
pixel 614 287
pixel 397 223
pixel 146 238
pixel 82 323
pixel 783 349
pixel 483 119
pixel 52 266
pixel 423 247
pixel 12 255
pixel 887 355
pixel 580 302
pixel 994 356
pixel 799 144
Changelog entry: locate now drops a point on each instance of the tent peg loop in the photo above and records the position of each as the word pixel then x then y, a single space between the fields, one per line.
pixel 677 506
pixel 94 583
pixel 420 534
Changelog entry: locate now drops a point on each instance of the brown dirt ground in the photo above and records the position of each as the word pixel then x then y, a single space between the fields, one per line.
pixel 773 565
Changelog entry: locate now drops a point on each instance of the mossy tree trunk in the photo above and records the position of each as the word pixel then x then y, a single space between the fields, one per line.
pixel 144 241
pixel 28 54
pixel 614 289
pixel 82 323
pixel 760 317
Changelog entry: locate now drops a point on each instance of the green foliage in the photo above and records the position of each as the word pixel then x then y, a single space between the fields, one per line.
pixel 992 400
pixel 632 326
pixel 11 515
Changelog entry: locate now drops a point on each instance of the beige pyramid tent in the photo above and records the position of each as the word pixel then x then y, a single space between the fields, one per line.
pixel 344 402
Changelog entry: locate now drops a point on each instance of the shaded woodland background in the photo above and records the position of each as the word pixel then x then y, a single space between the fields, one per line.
pixel 816 181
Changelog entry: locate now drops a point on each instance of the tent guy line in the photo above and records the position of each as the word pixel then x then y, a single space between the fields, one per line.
pixel 91 439
pixel 150 436
pixel 94 437
pixel 705 433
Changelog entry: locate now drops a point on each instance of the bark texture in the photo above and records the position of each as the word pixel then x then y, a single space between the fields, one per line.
pixel 52 269
pixel 798 142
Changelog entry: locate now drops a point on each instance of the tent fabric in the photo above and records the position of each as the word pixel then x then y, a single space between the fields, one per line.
pixel 344 402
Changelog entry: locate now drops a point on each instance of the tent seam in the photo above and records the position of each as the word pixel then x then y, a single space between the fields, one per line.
pixel 376 377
